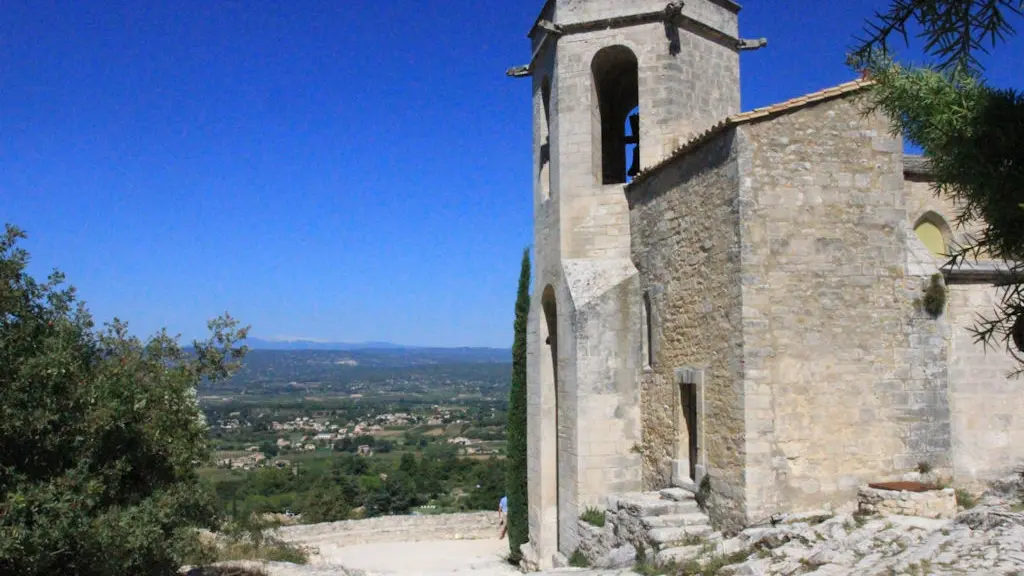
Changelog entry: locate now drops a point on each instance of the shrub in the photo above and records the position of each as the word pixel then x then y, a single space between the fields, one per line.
pixel 934 301
pixel 924 467
pixel 703 493
pixel 100 434
pixel 593 516
pixel 647 568
pixel 246 539
pixel 715 564
pixel 965 499
pixel 579 560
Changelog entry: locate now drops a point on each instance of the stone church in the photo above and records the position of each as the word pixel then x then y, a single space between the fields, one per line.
pixel 736 296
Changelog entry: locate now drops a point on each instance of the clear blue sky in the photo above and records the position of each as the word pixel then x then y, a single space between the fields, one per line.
pixel 340 170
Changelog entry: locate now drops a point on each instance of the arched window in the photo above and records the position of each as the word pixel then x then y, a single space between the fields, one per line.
pixel 616 101
pixel 648 332
pixel 544 173
pixel 934 233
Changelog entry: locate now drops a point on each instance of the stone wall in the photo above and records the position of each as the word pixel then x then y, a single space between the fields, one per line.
pixel 719 15
pixel 469 526
pixel 679 96
pixel 582 404
pixel 685 230
pixel 929 504
pixel 845 379
pixel 987 405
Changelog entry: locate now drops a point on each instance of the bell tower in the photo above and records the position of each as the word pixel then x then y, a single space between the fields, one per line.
pixel 617 86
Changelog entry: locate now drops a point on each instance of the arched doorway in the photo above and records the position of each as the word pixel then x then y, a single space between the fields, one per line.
pixel 549 380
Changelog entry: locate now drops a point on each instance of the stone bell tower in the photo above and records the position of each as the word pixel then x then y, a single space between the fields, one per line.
pixel 617 85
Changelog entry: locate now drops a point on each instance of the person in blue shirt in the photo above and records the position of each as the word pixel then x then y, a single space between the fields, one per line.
pixel 503 516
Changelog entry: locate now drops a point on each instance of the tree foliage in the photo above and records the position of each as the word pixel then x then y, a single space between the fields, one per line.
pixel 518 508
pixel 100 433
pixel 954 31
pixel 971 133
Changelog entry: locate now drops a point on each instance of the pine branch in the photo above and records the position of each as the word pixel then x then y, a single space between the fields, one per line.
pixel 955 31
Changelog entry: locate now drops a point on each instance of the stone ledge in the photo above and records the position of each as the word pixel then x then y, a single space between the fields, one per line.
pixel 464 526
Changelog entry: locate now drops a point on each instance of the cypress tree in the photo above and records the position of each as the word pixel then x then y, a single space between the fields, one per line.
pixel 515 478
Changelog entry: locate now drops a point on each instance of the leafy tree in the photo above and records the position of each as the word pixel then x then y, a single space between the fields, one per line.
pixel 269 449
pixel 351 465
pixel 408 464
pixel 326 502
pixel 397 495
pixel 489 485
pixel 100 433
pixel 428 478
pixel 972 134
pixel 516 489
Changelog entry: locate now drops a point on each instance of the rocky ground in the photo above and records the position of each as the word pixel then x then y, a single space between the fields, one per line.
pixel 987 539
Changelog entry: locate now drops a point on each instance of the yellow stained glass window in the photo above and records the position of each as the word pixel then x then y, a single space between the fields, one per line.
pixel 932 237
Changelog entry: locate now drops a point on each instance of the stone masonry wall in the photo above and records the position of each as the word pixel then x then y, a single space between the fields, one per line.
pixel 717 14
pixel 685 245
pixel 679 96
pixel 987 405
pixel 582 245
pixel 542 432
pixel 845 380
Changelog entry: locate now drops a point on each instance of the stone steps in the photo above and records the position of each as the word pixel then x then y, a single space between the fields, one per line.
pixel 677 494
pixel 667 523
pixel 680 555
pixel 694 518
pixel 662 503
pixel 670 537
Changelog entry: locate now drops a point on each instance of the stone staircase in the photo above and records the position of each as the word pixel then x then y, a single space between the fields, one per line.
pixel 667 524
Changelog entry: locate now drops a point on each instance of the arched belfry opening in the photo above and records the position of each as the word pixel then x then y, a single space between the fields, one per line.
pixel 544 171
pixel 616 115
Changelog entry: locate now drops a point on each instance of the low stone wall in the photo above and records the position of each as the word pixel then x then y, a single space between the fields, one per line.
pixel 471 526
pixel 930 504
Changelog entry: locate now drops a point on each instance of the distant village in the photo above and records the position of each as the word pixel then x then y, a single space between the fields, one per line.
pixel 319 433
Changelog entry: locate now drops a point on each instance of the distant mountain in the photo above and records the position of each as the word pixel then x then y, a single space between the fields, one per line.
pixel 394 352
pixel 262 344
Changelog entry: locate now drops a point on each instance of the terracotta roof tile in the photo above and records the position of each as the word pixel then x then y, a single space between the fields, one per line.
pixel 752 115
pixel 800 101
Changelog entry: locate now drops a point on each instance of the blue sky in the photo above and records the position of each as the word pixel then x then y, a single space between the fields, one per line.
pixel 338 170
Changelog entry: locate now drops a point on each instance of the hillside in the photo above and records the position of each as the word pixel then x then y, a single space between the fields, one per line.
pixel 399 370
